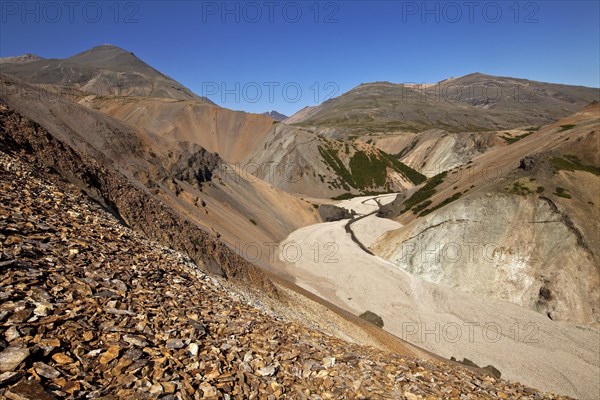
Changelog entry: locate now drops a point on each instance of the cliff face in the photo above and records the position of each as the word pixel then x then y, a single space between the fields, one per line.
pixel 514 248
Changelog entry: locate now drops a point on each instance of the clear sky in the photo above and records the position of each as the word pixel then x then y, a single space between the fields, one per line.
pixel 284 55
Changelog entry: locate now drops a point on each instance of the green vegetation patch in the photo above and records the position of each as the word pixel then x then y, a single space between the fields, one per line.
pixel 572 163
pixel 406 150
pixel 514 139
pixel 447 201
pixel 343 196
pixel 562 192
pixel 566 127
pixel 425 192
pixel 330 156
pixel 522 187
pixel 420 207
pixel 414 176
pixel 368 171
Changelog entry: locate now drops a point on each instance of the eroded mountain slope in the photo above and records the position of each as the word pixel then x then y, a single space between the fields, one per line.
pixel 176 172
pixel 231 134
pixel 302 161
pixel 518 223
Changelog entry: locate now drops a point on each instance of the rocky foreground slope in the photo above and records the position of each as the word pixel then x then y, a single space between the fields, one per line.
pixel 90 309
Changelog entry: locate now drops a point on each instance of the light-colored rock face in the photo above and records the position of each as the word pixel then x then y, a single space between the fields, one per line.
pixel 277 161
pixel 508 247
pixel 436 151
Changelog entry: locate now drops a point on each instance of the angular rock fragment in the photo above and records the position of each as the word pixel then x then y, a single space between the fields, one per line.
pixel 12 356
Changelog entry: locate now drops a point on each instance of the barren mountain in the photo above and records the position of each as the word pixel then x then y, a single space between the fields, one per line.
pixel 303 114
pixel 472 103
pixel 103 70
pixel 231 134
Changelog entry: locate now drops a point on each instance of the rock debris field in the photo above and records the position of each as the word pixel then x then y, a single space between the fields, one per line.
pixel 91 309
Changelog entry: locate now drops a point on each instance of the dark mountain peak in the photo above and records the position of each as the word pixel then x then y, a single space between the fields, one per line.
pixel 107 56
pixel 106 49
pixel 475 74
pixel 102 70
pixel 375 84
pixel 277 116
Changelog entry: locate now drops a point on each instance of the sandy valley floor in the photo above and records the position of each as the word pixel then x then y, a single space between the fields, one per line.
pixel 524 345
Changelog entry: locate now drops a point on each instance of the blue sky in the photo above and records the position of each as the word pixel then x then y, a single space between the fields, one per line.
pixel 284 55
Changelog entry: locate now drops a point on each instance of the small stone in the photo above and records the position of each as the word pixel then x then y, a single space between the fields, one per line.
pixel 11 334
pixel 12 356
pixel 192 349
pixel 45 370
pixel 71 387
pixel 156 389
pixel 135 340
pixel 328 362
pixel 175 344
pixel 12 240
pixel 28 390
pixel 111 354
pixel 41 310
pixel 208 390
pixel 62 358
pixel 169 387
pixel 266 371
pixel 7 378
pixel 73 214
pixel 50 343
pixel 276 388
pixel 322 374
pixel 116 311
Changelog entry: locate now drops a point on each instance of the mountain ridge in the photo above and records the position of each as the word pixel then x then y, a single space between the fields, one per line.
pixel 474 102
pixel 102 70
